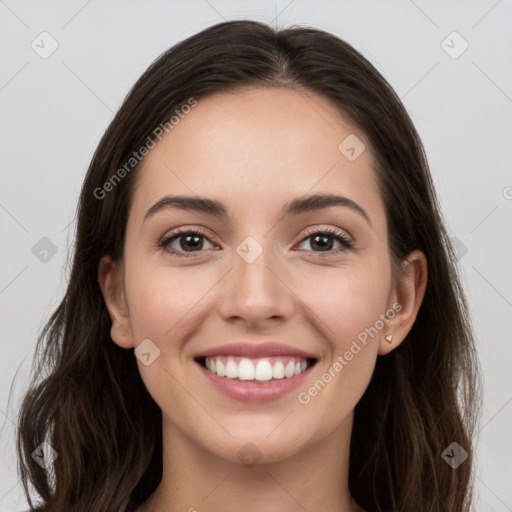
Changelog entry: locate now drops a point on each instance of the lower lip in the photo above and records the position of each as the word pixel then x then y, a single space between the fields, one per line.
pixel 255 391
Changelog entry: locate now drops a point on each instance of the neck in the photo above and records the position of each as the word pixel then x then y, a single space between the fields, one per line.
pixel 194 479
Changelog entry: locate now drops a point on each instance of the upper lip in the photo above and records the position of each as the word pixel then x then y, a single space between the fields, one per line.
pixel 255 350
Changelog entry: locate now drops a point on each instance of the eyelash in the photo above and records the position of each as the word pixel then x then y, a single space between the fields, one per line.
pixel 342 238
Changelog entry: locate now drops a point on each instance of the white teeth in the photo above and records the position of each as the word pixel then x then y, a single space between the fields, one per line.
pixel 245 369
pixel 264 369
pixel 288 370
pixel 221 371
pixel 278 370
pixel 231 369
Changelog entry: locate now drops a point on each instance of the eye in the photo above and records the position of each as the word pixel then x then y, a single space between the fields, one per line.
pixel 181 242
pixel 323 241
pixel 186 242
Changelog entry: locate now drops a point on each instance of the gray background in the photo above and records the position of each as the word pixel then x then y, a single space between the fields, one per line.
pixel 55 110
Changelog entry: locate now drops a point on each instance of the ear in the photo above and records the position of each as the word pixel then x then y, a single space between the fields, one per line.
pixel 406 298
pixel 110 279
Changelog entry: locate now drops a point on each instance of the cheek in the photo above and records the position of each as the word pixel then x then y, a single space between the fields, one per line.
pixel 163 300
pixel 347 307
pixel 348 304
pixel 345 302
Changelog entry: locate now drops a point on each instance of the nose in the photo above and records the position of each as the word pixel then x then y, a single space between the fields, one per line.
pixel 256 293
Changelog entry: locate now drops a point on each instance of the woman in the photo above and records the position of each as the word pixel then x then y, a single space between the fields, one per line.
pixel 259 228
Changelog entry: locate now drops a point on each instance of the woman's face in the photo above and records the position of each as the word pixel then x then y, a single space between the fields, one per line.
pixel 263 270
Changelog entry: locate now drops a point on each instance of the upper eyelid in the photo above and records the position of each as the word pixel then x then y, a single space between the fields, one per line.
pixel 333 231
pixel 206 232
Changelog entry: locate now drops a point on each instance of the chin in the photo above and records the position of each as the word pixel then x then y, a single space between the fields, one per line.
pixel 255 446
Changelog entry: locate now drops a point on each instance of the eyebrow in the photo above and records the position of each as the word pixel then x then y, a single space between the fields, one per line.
pixel 218 209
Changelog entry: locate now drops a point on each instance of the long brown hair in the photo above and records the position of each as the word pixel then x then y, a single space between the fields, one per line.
pixel 87 399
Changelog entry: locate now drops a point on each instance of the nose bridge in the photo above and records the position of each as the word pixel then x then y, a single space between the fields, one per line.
pixel 255 292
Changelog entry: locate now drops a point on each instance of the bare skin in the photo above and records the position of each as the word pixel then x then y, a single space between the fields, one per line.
pixel 255 151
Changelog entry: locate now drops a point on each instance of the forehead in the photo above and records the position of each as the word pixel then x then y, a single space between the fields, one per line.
pixel 254 147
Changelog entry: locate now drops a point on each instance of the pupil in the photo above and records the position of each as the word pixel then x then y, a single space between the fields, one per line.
pixel 196 244
pixel 322 245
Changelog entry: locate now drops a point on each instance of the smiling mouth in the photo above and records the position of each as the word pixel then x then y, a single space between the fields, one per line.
pixel 264 369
